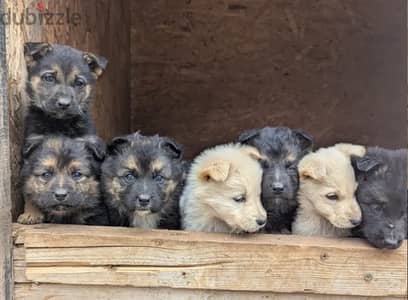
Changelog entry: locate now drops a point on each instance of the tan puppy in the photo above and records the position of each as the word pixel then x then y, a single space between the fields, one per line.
pixel 327 203
pixel 222 192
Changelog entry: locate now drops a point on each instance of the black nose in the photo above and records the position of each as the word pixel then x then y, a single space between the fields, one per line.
pixel 60 194
pixel 261 222
pixel 144 199
pixel 277 187
pixel 355 222
pixel 392 243
pixel 64 102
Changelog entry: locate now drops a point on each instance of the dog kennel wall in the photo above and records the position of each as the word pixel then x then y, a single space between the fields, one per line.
pixel 201 72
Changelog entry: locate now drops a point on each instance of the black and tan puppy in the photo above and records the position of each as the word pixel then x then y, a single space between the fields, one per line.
pixel 142 180
pixel 59 86
pixel 282 148
pixel 382 195
pixel 61 180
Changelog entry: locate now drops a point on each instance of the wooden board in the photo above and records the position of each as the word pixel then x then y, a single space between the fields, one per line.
pixel 69 292
pixel 6 271
pixel 78 255
pixel 203 71
pixel 103 28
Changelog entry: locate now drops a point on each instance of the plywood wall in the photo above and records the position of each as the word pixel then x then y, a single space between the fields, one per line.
pixel 203 71
pixel 103 28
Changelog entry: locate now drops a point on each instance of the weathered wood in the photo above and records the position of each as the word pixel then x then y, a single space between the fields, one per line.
pixel 330 67
pixel 270 263
pixel 6 272
pixel 68 292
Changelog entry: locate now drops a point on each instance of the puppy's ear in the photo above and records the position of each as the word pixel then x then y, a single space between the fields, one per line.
pixel 95 145
pixel 364 164
pixel 118 143
pixel 217 171
pixel 305 140
pixel 310 167
pixel 32 143
pixel 247 136
pixel 97 64
pixel 35 51
pixel 172 148
pixel 253 153
pixel 350 149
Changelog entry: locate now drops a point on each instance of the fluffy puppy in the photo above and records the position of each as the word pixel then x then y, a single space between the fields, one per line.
pixel 382 194
pixel 282 148
pixel 142 181
pixel 61 180
pixel 59 86
pixel 327 203
pixel 222 192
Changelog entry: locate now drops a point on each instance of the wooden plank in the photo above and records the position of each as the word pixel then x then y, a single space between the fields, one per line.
pixel 6 272
pixel 329 67
pixel 69 292
pixel 84 255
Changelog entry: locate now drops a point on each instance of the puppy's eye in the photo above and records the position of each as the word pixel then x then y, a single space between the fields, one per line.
pixel 332 196
pixel 46 175
pixel 129 178
pixel 159 178
pixel 240 198
pixel 80 82
pixel 49 77
pixel 77 175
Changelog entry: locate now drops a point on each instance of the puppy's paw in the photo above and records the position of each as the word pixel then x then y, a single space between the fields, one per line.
pixel 30 218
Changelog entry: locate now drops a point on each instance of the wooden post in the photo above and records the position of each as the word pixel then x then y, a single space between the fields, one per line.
pixel 5 199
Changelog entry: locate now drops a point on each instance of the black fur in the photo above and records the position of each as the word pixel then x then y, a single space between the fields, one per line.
pixel 282 148
pixel 382 195
pixel 61 178
pixel 60 85
pixel 133 186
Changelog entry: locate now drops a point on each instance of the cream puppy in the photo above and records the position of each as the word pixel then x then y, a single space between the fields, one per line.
pixel 327 202
pixel 222 192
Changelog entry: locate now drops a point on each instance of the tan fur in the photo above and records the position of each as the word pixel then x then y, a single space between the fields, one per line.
pixel 327 171
pixel 115 188
pixel 156 165
pixel 132 164
pixel 216 177
pixel 49 162
pixel 31 215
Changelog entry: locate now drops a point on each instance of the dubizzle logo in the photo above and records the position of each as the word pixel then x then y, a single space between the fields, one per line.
pixel 39 14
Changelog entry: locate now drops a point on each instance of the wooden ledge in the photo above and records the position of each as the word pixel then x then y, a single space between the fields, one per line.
pixel 113 256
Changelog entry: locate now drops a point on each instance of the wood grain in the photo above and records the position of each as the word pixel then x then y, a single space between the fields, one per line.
pixel 68 292
pixel 6 271
pixel 203 71
pixel 80 255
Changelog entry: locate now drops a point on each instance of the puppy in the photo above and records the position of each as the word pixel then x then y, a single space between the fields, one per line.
pixel 61 180
pixel 327 203
pixel 142 181
pixel 382 194
pixel 222 192
pixel 282 149
pixel 59 86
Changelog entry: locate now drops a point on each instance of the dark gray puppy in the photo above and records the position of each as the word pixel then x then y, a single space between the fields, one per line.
pixel 382 195
pixel 282 148
pixel 142 181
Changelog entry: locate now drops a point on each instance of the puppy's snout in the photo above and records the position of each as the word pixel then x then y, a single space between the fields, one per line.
pixel 144 200
pixel 261 222
pixel 64 102
pixel 355 222
pixel 392 243
pixel 277 187
pixel 60 194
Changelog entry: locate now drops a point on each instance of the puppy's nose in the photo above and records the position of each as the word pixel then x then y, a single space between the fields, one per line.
pixel 277 187
pixel 60 194
pixel 144 199
pixel 392 243
pixel 64 102
pixel 261 222
pixel 355 222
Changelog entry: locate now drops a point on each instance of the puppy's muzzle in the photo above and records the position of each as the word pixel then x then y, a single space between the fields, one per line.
pixel 143 201
pixel 60 194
